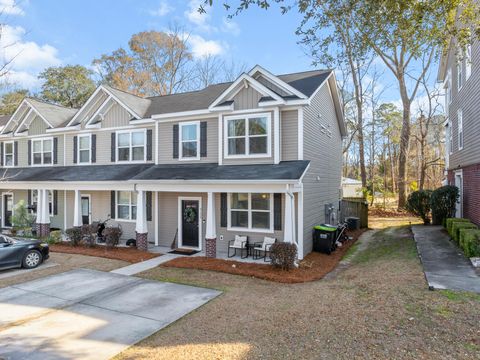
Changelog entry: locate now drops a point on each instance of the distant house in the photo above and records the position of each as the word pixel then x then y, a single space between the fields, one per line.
pixel 351 188
pixel 259 156
pixel 460 73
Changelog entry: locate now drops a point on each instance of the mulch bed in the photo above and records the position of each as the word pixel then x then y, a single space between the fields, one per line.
pixel 130 255
pixel 313 267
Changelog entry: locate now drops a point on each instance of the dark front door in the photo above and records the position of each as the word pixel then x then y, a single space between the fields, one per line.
pixel 190 221
pixel 7 210
pixel 85 210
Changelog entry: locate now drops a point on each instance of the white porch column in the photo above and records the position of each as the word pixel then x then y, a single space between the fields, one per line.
pixel 77 209
pixel 45 208
pixel 300 225
pixel 141 222
pixel 39 219
pixel 211 228
pixel 289 228
pixel 157 217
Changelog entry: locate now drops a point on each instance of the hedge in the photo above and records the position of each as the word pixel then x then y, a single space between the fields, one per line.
pixel 461 225
pixel 470 242
pixel 450 221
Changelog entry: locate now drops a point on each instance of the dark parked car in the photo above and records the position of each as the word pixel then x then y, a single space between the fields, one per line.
pixel 16 252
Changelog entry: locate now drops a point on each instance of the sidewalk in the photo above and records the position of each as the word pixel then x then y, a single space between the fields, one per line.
pixel 144 265
pixel 444 265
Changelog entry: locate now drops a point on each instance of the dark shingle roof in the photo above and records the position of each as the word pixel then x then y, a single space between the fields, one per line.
pixel 285 170
pixel 306 82
pixel 4 119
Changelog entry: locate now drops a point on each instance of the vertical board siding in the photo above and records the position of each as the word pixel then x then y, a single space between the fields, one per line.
pixel 289 133
pixel 37 126
pixel 116 116
pixel 325 155
pixel 247 98
pixel 165 143
pixel 87 112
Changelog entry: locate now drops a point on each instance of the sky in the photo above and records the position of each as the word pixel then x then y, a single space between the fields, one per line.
pixel 42 33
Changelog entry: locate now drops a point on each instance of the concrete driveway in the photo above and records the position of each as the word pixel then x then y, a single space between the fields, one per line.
pixel 88 314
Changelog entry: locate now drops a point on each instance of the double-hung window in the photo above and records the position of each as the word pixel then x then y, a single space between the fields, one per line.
pixel 248 136
pixel 459 74
pixel 189 140
pixel 250 211
pixel 126 205
pixel 50 200
pixel 84 149
pixel 460 129
pixel 8 153
pixel 42 151
pixel 131 145
pixel 468 61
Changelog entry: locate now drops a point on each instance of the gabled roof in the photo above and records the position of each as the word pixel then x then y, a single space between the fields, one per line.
pixel 137 104
pixel 306 82
pixel 4 120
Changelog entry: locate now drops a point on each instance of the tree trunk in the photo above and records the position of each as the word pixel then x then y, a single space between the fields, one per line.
pixel 404 146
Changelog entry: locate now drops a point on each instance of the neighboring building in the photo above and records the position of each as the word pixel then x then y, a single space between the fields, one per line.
pixel 259 156
pixel 351 188
pixel 459 71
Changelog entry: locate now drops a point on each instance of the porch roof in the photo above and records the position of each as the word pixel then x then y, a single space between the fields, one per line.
pixel 285 170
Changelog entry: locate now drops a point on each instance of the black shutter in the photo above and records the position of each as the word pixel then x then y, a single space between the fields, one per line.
pixel 29 200
pixel 29 152
pixel 15 153
pixel 94 148
pixel 55 150
pixel 1 154
pixel 203 139
pixel 277 211
pixel 175 141
pixel 112 204
pixel 149 205
pixel 55 202
pixel 75 147
pixel 149 144
pixel 223 210
pixel 112 147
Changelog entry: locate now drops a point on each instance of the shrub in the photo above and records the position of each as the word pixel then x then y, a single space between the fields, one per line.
pixel 449 223
pixel 443 202
pixel 418 203
pixel 75 235
pixel 461 225
pixel 283 255
pixel 470 242
pixel 55 237
pixel 21 219
pixel 89 234
pixel 112 236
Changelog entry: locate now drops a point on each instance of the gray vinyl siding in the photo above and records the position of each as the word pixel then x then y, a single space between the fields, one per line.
pixel 116 116
pixel 259 160
pixel 325 155
pixel 247 98
pixel 23 150
pixel 165 142
pixel 289 135
pixel 37 126
pixel 468 100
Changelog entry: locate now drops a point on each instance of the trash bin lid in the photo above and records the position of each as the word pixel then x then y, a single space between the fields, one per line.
pixel 325 228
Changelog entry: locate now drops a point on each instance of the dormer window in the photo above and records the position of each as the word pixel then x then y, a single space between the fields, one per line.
pixel 8 154
pixel 131 146
pixel 248 136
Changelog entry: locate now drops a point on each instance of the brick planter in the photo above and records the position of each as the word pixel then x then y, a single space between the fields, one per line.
pixel 211 248
pixel 142 241
pixel 43 230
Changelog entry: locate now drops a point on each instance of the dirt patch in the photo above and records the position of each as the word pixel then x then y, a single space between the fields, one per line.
pixel 388 213
pixel 314 267
pixel 130 255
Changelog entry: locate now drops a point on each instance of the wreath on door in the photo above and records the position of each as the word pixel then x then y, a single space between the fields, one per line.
pixel 190 215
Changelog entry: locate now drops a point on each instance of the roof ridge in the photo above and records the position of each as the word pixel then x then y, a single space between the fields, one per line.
pixel 49 103
pixel 306 71
pixel 191 91
pixel 125 92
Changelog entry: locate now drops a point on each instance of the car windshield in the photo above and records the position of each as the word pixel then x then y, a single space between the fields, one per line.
pixel 6 240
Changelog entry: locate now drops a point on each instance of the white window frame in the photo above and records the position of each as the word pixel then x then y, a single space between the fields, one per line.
pixel 11 154
pixel 42 140
pixel 89 136
pixel 450 137
pixel 449 88
pixel 130 206
pixel 180 141
pixel 50 201
pixel 247 154
pixel 130 146
pixel 459 74
pixel 468 61
pixel 460 129
pixel 249 210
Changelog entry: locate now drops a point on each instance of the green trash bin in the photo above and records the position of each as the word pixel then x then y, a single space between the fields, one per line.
pixel 324 238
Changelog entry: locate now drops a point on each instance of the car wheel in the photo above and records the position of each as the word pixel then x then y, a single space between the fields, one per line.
pixel 32 259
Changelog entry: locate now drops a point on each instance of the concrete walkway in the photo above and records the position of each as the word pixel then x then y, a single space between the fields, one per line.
pixel 444 265
pixel 144 265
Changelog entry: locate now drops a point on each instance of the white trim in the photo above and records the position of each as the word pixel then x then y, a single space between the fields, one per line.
pixel 51 210
pixel 179 223
pixel 169 116
pixel 65 209
pixel 89 135
pixel 220 143
pixel 300 225
pixel 249 210
pixel 156 142
pixel 130 154
pixel 42 139
pixel 17 129
pixel 89 206
pixel 276 136
pixel 5 154
pixel 460 134
pixel 24 102
pixel 156 214
pixel 468 61
pixel 64 149
pixel 459 66
pixel 87 103
pixel 277 81
pixel 105 105
pixel 142 121
pixel 300 122
pixel 246 117
pixel 64 129
pixel 459 173
pixel 180 141
pixel 3 206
